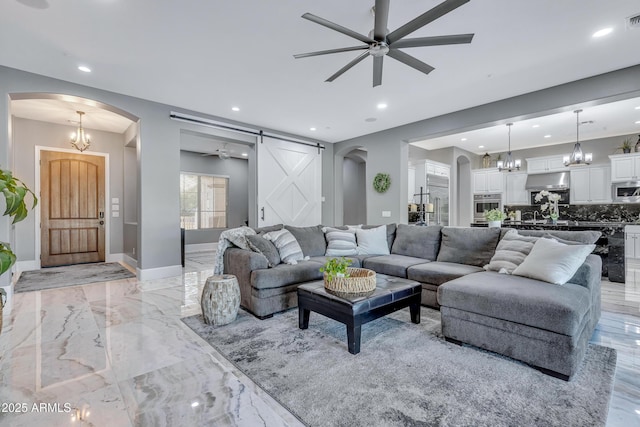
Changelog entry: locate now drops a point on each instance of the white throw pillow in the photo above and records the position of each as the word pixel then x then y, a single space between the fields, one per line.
pixel 288 247
pixel 552 261
pixel 340 242
pixel 372 241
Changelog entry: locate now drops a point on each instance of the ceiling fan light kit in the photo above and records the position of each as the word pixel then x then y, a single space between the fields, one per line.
pixel 380 42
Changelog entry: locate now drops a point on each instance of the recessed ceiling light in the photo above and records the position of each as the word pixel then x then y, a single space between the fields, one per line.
pixel 312 129
pixel 84 69
pixel 603 32
pixel 235 108
pixel 535 126
pixel 638 107
pixel 463 139
pixel 547 136
pixel 480 146
pixel 382 106
pixel 244 154
pixel 638 122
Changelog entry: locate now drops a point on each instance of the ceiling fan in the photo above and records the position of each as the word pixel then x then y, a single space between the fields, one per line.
pixel 381 42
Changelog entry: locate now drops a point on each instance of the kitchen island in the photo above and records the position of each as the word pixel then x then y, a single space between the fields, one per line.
pixel 610 246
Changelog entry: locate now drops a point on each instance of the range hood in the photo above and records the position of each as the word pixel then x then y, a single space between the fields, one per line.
pixel 548 181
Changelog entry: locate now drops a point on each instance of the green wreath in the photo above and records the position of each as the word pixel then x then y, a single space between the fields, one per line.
pixel 381 182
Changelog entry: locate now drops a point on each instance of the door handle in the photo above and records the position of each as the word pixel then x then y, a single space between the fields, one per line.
pixel 101 214
pixel 262 216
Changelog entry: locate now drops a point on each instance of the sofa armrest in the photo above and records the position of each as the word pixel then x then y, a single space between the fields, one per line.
pixel 240 263
pixel 589 273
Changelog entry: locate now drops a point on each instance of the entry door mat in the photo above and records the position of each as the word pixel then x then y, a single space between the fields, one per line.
pixel 404 375
pixel 70 275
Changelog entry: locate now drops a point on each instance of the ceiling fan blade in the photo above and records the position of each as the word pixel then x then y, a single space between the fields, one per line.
pixel 410 61
pixel 434 41
pixel 382 17
pixel 326 52
pixel 422 20
pixel 338 28
pixel 342 70
pixel 377 70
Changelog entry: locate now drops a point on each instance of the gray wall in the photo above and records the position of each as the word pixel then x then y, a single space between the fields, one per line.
pixel 158 161
pixel 238 171
pixel 29 133
pixel 387 150
pixel 355 204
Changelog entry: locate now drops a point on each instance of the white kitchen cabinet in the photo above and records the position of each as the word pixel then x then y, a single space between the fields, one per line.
pixel 514 189
pixel 488 181
pixel 632 242
pixel 439 169
pixel 545 164
pixel 590 185
pixel 625 167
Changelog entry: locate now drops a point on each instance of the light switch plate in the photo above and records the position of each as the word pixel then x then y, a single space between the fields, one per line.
pixel 386 214
pixel 115 200
pixel 115 214
pixel 115 207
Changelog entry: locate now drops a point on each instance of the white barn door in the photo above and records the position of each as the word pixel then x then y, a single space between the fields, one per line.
pixel 289 183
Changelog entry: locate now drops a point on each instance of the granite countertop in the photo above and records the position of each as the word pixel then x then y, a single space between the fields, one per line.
pixel 563 224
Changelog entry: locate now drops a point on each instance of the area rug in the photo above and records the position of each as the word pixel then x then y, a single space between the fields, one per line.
pixel 71 275
pixel 405 375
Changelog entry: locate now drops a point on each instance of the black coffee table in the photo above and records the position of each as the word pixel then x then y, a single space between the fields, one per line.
pixel 391 294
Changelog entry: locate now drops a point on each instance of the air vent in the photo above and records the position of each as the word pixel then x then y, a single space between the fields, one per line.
pixel 633 21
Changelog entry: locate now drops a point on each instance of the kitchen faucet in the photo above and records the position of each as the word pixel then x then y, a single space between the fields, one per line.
pixel 535 216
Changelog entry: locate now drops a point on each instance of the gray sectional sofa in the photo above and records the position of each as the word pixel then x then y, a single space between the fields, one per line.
pixel 542 324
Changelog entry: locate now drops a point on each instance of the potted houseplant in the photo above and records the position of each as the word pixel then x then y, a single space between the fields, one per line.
pixel 494 217
pixel 626 146
pixel 14 191
pixel 335 267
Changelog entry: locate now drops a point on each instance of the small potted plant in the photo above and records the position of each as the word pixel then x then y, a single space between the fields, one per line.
pixel 626 146
pixel 335 267
pixel 494 217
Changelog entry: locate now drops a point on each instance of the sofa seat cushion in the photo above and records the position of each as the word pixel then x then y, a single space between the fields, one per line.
pixel 437 273
pixel 355 261
pixel 285 274
pixel 393 265
pixel 559 309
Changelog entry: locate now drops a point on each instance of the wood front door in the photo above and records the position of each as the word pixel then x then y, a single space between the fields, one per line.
pixel 72 208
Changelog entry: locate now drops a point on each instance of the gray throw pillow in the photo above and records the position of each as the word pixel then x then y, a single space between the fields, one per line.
pixel 416 241
pixel 511 251
pixel 287 245
pixel 269 228
pixel 311 239
pixel 263 246
pixel 468 245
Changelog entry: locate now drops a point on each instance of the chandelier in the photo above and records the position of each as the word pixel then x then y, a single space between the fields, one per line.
pixel 578 158
pixel 509 164
pixel 79 139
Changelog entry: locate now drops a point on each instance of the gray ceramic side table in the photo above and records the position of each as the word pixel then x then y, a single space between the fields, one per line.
pixel 220 299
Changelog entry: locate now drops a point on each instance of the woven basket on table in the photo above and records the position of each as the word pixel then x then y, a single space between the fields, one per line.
pixel 359 280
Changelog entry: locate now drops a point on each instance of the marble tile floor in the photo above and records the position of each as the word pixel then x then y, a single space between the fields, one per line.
pixel 117 354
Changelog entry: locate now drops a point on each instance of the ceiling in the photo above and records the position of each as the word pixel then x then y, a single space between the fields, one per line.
pixel 212 56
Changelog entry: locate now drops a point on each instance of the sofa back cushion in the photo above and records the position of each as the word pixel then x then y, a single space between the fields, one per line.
pixel 310 239
pixel 583 236
pixel 468 245
pixel 418 242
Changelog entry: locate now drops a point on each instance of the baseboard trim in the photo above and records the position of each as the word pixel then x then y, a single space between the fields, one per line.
pixel 158 273
pixel 200 247
pixel 115 257
pixel 131 262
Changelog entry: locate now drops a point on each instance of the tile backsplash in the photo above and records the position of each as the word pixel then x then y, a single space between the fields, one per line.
pixel 627 212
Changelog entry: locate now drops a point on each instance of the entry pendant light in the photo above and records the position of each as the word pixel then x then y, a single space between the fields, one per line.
pixel 509 164
pixel 80 140
pixel 578 158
